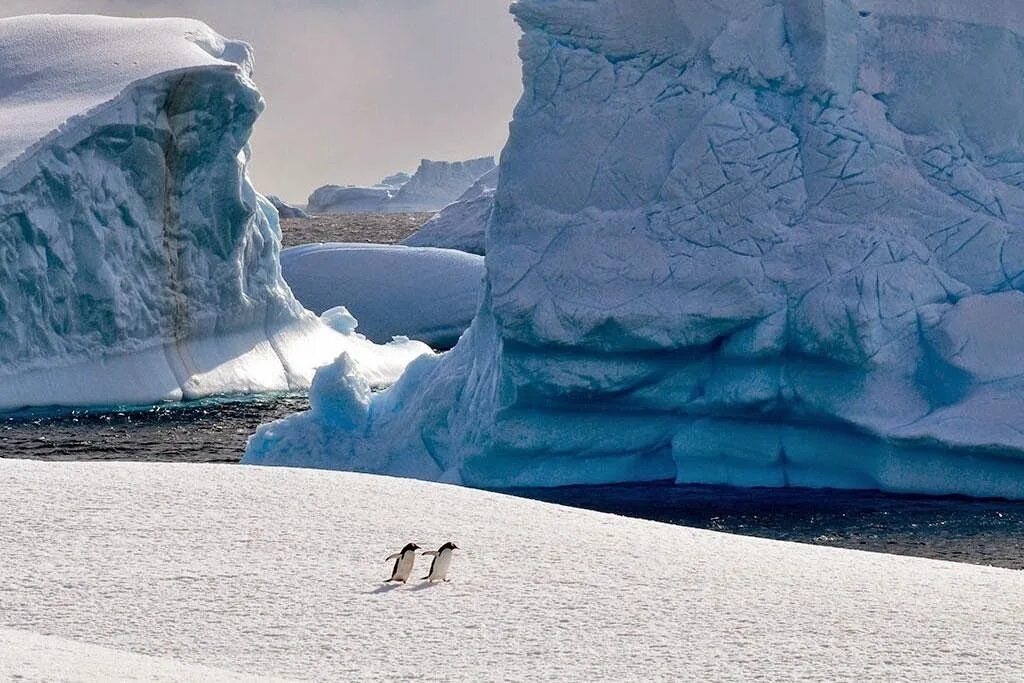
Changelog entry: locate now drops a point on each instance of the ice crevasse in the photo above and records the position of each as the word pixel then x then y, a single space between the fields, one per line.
pixel 762 243
pixel 137 262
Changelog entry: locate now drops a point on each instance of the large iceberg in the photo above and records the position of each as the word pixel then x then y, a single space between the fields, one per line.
pixel 434 185
pixel 756 243
pixel 137 262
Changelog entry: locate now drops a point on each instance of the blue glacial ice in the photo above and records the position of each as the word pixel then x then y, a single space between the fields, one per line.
pixel 137 262
pixel 761 243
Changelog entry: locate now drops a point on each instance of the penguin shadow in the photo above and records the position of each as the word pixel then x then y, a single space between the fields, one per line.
pixel 386 588
pixel 426 584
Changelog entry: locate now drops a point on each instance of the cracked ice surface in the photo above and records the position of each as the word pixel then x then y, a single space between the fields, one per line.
pixel 137 262
pixel 760 243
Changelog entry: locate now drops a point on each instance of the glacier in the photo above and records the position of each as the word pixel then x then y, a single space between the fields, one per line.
pixel 137 262
pixel 756 243
pixel 434 185
pixel 430 295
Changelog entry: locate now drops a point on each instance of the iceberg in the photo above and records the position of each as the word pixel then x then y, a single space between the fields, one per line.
pixel 758 243
pixel 430 295
pixel 284 209
pixel 462 224
pixel 434 185
pixel 137 262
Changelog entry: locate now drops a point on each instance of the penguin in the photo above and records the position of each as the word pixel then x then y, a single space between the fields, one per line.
pixel 404 561
pixel 442 561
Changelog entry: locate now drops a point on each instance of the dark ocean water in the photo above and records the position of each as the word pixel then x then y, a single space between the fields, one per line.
pixel 958 529
pixel 202 431
pixel 982 532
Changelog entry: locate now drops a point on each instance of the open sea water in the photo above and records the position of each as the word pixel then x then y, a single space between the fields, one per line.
pixel 958 529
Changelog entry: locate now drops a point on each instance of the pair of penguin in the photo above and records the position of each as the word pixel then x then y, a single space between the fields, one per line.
pixel 406 558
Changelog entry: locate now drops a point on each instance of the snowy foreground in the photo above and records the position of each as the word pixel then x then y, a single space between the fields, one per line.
pixel 278 572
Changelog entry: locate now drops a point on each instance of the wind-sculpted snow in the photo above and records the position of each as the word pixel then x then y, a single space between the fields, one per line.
pixel 137 262
pixel 759 243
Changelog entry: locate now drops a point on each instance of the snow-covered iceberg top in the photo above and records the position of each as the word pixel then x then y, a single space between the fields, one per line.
pixel 137 262
pixel 57 68
pixel 756 242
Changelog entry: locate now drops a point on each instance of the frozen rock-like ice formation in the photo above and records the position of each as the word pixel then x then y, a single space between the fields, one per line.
pixel 284 209
pixel 425 294
pixel 434 185
pixel 137 262
pixel 462 224
pixel 764 242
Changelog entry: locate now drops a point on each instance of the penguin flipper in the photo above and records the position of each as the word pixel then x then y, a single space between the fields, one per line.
pixel 392 557
pixel 429 552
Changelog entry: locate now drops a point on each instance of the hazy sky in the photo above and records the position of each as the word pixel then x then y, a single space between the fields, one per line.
pixel 357 89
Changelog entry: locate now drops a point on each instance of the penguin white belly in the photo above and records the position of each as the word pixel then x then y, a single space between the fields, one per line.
pixel 439 569
pixel 404 567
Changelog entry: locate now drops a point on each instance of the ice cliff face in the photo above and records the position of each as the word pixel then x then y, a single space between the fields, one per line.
pixel 759 243
pixel 137 263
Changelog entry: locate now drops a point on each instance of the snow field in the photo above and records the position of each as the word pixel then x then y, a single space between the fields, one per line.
pixel 279 572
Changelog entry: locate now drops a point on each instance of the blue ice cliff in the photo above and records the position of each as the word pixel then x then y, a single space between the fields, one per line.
pixel 137 262
pixel 763 243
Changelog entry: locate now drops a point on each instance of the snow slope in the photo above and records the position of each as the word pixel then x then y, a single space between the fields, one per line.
pixel 280 572
pixel 759 243
pixel 137 262
pixel 426 294
pixel 434 185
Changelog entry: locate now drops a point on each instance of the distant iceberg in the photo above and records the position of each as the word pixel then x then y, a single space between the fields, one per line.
pixel 284 209
pixel 137 262
pixel 462 224
pixel 434 185
pixel 752 243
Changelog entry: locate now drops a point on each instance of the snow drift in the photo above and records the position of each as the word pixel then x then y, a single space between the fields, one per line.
pixel 425 294
pixel 137 262
pixel 755 243
pixel 434 185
